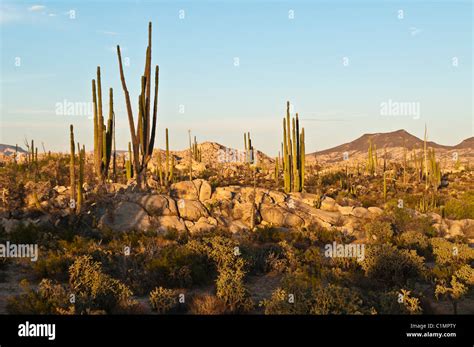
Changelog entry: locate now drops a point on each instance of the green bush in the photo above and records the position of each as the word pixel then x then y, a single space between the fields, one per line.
pixel 319 299
pixel 230 265
pixel 379 232
pixel 397 302
pixel 414 240
pixel 95 290
pixel 391 266
pixel 461 208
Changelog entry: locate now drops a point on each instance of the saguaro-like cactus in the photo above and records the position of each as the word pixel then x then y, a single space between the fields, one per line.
pixel 371 159
pixel 293 153
pixel 425 157
pixel 72 171
pixel 128 163
pixel 103 134
pixel 249 151
pixel 160 168
pixel 143 137
pixel 80 182
pixel 169 162
pixel 197 155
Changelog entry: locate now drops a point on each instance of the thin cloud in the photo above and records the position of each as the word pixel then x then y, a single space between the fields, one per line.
pixel 414 31
pixel 106 32
pixel 36 8
pixel 9 14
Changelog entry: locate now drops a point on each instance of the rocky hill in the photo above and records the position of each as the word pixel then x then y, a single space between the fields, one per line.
pixel 394 144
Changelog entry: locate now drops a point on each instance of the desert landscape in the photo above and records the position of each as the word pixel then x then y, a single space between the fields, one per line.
pixel 382 224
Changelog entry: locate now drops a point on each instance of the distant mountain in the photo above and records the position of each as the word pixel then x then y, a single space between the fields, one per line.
pixel 399 138
pixel 467 143
pixel 394 143
pixel 10 150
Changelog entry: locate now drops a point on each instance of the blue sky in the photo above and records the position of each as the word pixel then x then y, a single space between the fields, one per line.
pixel 300 59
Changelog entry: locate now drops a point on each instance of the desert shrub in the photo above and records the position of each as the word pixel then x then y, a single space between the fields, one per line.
pixel 328 235
pixel 282 302
pixel 397 302
pixel 404 219
pixel 270 234
pixel 95 290
pixel 391 266
pixel 312 261
pixel 28 234
pixel 274 262
pixel 163 300
pixel 257 257
pixel 15 193
pixel 207 305
pixel 336 300
pixel 231 270
pixel 305 299
pixel 331 178
pixel 414 240
pixel 52 265
pixel 48 298
pixel 461 208
pixel 230 287
pixel 379 232
pixel 461 283
pixel 179 266
pixel 450 254
pixel 452 271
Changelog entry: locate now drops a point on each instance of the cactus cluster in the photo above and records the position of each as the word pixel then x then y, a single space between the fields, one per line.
pixel 143 136
pixel 434 169
pixel 277 169
pixel 249 151
pixel 194 154
pixel 77 198
pixel 196 151
pixel 165 174
pixel 372 159
pixel 102 133
pixel 293 153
